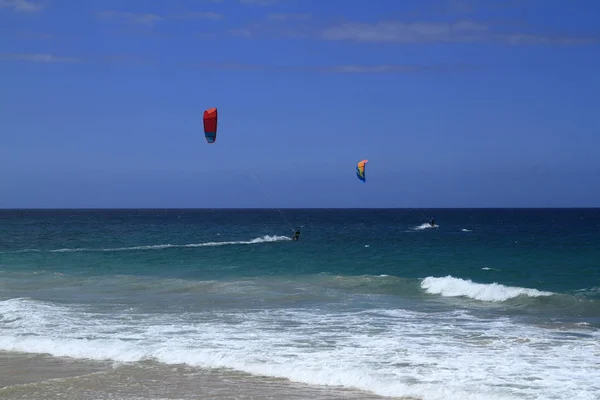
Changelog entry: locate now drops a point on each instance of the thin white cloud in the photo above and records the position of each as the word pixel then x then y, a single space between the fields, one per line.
pixel 125 59
pixel 398 32
pixel 339 69
pixel 525 38
pixel 33 35
pixel 102 59
pixel 345 69
pixel 405 32
pixel 393 68
pixel 462 6
pixel 150 19
pixel 241 32
pixel 201 15
pixel 401 32
pixel 25 6
pixel 38 57
pixel 428 32
pixel 302 25
pixel 134 18
pixel 206 36
pixel 260 2
pixel 288 17
pixel 275 30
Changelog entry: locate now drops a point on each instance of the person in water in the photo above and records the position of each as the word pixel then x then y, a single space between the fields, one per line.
pixel 432 222
pixel 296 235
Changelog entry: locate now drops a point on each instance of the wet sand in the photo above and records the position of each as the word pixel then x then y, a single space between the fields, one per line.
pixel 31 377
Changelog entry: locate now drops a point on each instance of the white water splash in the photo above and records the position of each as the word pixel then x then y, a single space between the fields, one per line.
pixel 426 225
pixel 455 287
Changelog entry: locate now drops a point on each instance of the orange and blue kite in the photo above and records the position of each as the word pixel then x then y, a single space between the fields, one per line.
pixel 360 170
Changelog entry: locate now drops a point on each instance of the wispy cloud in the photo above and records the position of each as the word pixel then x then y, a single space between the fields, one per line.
pixel 337 69
pixel 341 69
pixel 288 17
pixel 134 18
pixel 99 59
pixel 246 32
pixel 33 35
pixel 21 5
pixel 424 32
pixel 467 7
pixel 149 19
pixel 206 35
pixel 525 38
pixel 462 6
pixel 200 15
pixel 405 32
pixel 260 2
pixel 401 32
pixel 275 30
pixel 38 57
pixel 125 59
pixel 391 68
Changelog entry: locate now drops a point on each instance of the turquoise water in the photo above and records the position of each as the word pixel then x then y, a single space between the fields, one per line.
pixel 489 304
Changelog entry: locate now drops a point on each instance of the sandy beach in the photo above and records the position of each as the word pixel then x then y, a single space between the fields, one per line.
pixel 31 377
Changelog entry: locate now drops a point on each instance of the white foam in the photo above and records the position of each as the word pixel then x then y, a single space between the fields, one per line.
pixel 263 239
pixel 394 352
pixel 426 225
pixel 489 269
pixel 455 287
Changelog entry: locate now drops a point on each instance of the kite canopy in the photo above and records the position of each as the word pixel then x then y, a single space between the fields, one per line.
pixel 360 170
pixel 210 125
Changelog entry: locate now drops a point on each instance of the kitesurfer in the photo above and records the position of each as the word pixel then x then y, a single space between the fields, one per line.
pixel 432 222
pixel 296 235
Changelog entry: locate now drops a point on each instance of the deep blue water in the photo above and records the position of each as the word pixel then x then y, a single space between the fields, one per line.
pixel 501 303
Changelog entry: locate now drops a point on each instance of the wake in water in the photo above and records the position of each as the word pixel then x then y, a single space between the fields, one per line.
pixel 264 239
pixel 425 225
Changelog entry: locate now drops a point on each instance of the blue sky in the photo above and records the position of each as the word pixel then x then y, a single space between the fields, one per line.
pixel 455 103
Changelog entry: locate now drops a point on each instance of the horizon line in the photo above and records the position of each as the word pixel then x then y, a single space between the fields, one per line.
pixel 296 208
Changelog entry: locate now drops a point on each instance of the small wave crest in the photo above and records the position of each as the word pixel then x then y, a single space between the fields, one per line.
pixel 450 286
pixel 263 239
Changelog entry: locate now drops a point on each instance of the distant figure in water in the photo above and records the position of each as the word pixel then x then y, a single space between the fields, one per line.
pixel 296 235
pixel 432 222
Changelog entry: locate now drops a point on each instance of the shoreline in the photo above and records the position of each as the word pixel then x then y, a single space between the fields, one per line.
pixel 40 376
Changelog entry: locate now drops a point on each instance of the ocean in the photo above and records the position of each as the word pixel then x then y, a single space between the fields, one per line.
pixel 369 303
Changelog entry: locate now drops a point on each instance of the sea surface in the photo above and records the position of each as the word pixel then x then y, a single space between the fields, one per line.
pixel 222 304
